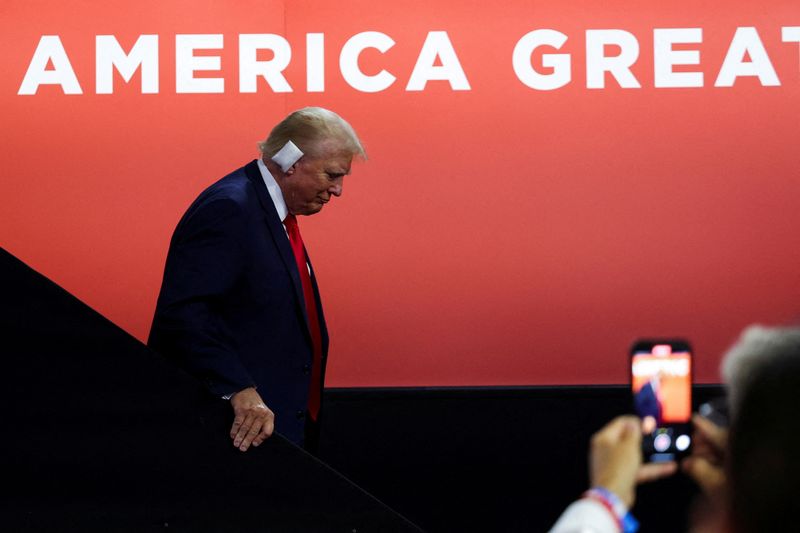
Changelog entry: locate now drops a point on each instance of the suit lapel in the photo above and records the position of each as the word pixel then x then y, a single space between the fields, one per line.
pixel 278 234
pixel 322 326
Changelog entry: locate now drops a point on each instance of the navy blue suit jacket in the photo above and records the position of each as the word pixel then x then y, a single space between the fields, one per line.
pixel 231 308
pixel 647 403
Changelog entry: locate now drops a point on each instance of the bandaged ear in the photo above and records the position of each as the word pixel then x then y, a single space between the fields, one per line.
pixel 287 156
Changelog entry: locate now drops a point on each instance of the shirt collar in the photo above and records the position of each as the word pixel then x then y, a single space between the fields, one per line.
pixel 274 190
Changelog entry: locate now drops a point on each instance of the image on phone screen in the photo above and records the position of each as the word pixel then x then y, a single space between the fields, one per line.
pixel 661 385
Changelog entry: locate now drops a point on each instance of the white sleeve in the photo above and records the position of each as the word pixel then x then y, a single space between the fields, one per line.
pixel 586 516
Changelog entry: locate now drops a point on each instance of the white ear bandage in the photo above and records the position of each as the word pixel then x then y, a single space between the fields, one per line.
pixel 287 156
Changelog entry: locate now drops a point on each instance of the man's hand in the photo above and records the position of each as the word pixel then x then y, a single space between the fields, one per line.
pixel 615 459
pixel 705 464
pixel 253 422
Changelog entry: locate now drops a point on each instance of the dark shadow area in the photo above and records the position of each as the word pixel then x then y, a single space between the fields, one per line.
pixel 486 459
pixel 102 434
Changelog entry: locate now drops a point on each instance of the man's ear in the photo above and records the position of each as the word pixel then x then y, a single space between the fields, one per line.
pixel 287 157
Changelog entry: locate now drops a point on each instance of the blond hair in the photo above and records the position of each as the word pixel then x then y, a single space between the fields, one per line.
pixel 310 129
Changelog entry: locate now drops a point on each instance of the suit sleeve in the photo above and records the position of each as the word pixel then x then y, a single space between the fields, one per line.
pixel 205 260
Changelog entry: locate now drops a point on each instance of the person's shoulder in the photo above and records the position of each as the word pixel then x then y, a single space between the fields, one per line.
pixel 235 187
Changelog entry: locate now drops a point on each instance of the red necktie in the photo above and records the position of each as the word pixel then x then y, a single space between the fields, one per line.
pixel 311 311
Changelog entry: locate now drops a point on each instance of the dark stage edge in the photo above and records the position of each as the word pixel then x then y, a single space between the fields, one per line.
pixel 103 434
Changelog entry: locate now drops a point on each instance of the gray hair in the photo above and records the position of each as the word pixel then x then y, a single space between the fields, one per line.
pixel 309 129
pixel 757 346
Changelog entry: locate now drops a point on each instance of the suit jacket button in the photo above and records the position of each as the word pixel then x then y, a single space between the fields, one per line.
pixel 300 415
pixel 306 369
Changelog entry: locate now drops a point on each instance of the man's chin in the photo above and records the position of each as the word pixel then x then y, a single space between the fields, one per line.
pixel 313 209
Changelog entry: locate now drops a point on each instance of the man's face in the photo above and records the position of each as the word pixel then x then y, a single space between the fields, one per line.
pixel 310 186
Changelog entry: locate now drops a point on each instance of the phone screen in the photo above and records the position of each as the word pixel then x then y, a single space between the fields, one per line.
pixel 661 384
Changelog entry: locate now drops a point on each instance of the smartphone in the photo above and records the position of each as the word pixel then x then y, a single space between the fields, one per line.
pixel 661 385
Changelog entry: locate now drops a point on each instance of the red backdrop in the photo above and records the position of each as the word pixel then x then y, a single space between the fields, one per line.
pixel 500 235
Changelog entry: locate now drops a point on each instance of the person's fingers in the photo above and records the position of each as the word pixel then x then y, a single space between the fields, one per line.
pixel 627 432
pixel 648 424
pixel 269 425
pixel 243 430
pixel 632 429
pixel 251 434
pixel 701 446
pixel 716 435
pixel 237 424
pixel 265 433
pixel 614 456
pixel 709 476
pixel 653 471
pixel 615 429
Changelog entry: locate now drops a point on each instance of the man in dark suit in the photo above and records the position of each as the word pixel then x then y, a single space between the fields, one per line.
pixel 239 306
pixel 648 400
